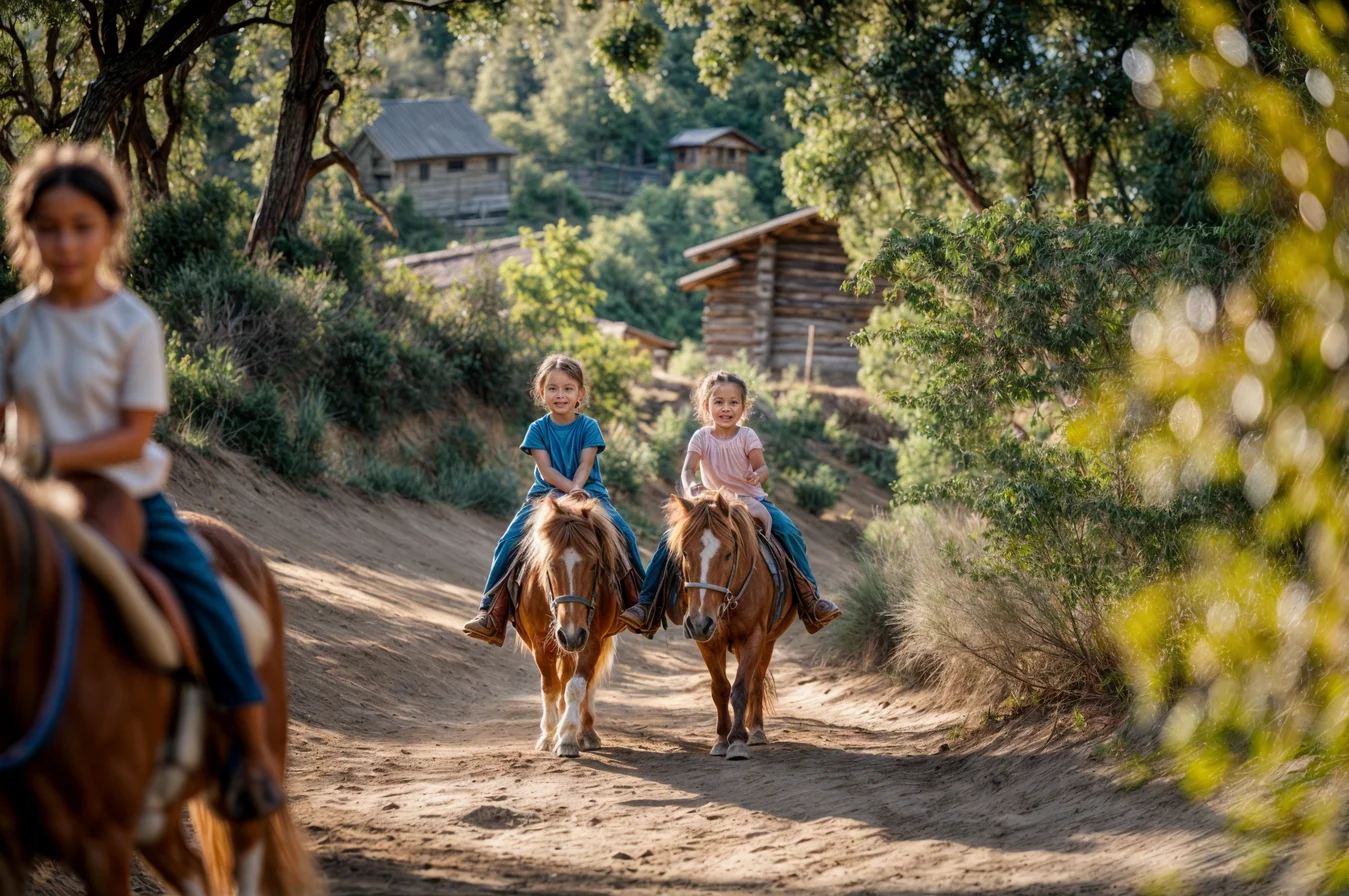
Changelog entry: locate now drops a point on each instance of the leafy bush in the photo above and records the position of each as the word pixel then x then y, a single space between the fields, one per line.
pixel 797 414
pixel 493 488
pixel 333 244
pixel 207 223
pixel 869 633
pixel 376 476
pixel 818 490
pixel 358 362
pixel 877 461
pixel 629 462
pixel 669 438
pixel 688 361
pixel 538 196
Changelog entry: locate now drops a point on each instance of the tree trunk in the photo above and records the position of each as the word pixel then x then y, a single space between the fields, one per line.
pixel 1079 169
pixel 308 85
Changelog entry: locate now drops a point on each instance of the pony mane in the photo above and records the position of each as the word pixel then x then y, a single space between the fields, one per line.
pixel 579 523
pixel 706 512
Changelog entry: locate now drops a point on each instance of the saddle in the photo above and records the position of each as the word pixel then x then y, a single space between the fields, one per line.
pixel 670 590
pixel 106 545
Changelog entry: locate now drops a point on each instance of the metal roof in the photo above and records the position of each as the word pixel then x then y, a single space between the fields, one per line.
pixel 433 129
pixel 701 136
pixel 705 251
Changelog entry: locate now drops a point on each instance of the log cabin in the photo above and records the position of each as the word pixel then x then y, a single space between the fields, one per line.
pixel 722 149
pixel 443 153
pixel 769 284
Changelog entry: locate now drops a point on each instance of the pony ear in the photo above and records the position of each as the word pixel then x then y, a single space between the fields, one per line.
pixel 550 502
pixel 722 504
pixel 677 508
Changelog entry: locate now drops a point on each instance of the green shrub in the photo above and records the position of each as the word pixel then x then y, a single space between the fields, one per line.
pixel 688 361
pixel 209 222
pixel 877 461
pixel 358 362
pixel 424 379
pixel 629 462
pixel 818 490
pixel 333 244
pixel 460 444
pixel 669 438
pixel 868 634
pixel 376 476
pixel 224 300
pixel 201 389
pixel 798 414
pixel 307 456
pixel 493 488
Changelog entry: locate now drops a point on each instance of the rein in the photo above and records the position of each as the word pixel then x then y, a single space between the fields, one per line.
pixel 729 605
pixel 25 748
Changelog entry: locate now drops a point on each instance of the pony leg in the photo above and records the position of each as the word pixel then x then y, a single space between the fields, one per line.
pixel 590 741
pixel 550 690
pixel 174 861
pixel 744 693
pixel 104 864
pixel 756 706
pixel 250 855
pixel 715 660
pixel 582 671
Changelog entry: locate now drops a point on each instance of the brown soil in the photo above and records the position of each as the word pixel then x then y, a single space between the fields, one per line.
pixel 413 761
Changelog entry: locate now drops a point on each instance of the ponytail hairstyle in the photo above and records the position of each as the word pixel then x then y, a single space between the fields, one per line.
pixel 702 396
pixel 564 364
pixel 82 167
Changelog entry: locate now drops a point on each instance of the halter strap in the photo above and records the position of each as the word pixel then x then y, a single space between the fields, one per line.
pixel 588 603
pixel 729 605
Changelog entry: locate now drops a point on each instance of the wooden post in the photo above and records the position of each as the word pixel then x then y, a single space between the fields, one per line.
pixel 764 288
pixel 810 352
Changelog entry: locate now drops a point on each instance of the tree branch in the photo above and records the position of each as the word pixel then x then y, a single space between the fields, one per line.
pixel 338 156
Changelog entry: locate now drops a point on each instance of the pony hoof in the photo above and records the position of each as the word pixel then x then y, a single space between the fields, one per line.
pixel 757 738
pixel 737 750
pixel 567 750
pixel 719 749
pixel 543 744
pixel 590 741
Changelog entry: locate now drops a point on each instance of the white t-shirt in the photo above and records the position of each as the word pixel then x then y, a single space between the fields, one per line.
pixel 79 369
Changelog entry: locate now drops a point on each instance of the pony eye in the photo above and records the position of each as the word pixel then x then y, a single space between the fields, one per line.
pixel 726 556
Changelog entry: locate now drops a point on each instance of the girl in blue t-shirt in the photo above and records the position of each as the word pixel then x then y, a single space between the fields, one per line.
pixel 565 445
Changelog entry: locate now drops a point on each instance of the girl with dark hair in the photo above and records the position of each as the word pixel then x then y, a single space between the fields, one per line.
pixel 565 445
pixel 86 356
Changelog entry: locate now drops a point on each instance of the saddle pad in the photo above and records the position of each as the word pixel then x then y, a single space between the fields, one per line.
pixel 776 563
pixel 151 634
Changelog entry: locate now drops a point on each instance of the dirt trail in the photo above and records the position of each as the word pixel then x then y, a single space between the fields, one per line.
pixel 414 767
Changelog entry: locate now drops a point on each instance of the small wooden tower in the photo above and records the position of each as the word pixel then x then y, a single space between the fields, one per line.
pixel 722 149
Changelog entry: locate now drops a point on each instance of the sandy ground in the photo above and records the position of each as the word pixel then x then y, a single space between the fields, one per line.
pixel 414 769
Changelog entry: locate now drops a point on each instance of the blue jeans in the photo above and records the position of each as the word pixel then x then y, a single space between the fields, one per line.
pixel 784 530
pixel 505 549
pixel 170 548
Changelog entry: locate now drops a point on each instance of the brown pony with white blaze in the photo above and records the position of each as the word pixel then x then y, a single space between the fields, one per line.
pixel 568 614
pixel 131 745
pixel 728 598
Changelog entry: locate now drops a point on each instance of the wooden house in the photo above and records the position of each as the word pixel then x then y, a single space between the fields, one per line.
pixel 724 149
pixel 769 284
pixel 657 346
pixel 443 153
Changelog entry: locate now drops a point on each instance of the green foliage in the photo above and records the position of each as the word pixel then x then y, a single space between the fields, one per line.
pixel 880 462
pixel 688 361
pixel 357 364
pixel 868 634
pixel 553 305
pixel 818 490
pixel 466 477
pixel 376 476
pixel 668 438
pixel 538 195
pixel 207 225
pixel 630 461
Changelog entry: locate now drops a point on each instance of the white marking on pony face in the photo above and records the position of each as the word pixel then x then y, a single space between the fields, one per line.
pixel 248 872
pixel 711 545
pixel 571 557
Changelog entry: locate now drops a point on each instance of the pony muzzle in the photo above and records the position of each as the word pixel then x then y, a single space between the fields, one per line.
pixel 699 626
pixel 572 640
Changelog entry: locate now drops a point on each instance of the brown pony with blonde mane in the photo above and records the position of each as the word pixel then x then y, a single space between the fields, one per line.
pixel 727 606
pixel 568 614
pixel 111 778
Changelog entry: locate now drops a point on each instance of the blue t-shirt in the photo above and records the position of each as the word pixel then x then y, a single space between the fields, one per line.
pixel 564 445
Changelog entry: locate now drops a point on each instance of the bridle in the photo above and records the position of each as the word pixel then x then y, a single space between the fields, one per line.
pixel 729 605
pixel 587 602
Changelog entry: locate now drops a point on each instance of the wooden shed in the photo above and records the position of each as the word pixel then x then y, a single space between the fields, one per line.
pixel 724 149
pixel 657 346
pixel 443 153
pixel 768 284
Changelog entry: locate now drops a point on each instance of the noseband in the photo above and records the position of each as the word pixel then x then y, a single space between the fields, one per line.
pixel 587 602
pixel 729 605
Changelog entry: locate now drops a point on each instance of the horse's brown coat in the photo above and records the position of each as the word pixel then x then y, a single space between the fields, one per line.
pixel 81 797
pixel 742 629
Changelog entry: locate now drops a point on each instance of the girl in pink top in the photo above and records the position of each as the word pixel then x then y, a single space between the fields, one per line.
pixel 729 456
